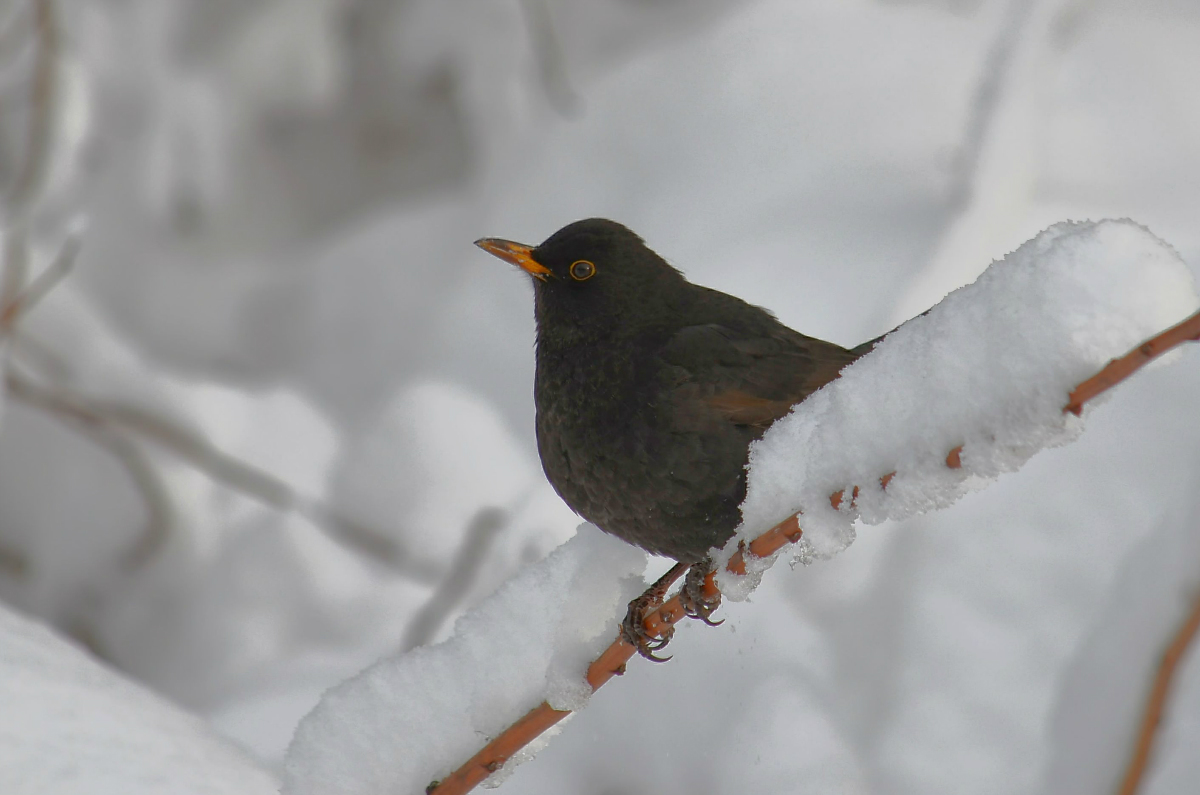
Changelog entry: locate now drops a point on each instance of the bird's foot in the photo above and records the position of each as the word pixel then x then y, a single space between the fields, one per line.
pixel 696 603
pixel 633 628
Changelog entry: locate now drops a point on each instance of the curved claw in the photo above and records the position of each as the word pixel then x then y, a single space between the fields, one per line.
pixel 633 628
pixel 702 612
pixel 695 603
pixel 645 644
pixel 653 644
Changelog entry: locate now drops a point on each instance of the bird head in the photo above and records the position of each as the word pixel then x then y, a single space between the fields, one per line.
pixel 593 277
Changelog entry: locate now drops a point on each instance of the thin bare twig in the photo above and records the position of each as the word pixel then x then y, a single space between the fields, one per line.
pixel 482 531
pixel 145 477
pixel 16 267
pixel 48 362
pixel 552 67
pixel 229 471
pixel 13 563
pixel 996 70
pixel 28 184
pixel 106 421
pixel 613 660
pixel 13 36
pixel 35 165
pixel 1156 703
pixel 1118 370
pixel 28 297
pixel 234 473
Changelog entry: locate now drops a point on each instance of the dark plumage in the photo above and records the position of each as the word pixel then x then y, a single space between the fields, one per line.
pixel 650 389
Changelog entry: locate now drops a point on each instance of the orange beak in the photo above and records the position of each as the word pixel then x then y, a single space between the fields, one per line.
pixel 518 254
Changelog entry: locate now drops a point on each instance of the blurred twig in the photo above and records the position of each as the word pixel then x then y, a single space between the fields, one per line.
pixel 1148 730
pixel 26 296
pixel 35 165
pixel 223 468
pixel 477 542
pixel 110 423
pixel 13 563
pixel 28 184
pixel 13 37
pixel 988 93
pixel 257 483
pixel 552 67
pixel 114 425
pixel 16 269
pixel 18 297
pixel 118 426
pixel 134 460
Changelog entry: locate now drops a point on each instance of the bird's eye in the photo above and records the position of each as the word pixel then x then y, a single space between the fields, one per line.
pixel 582 270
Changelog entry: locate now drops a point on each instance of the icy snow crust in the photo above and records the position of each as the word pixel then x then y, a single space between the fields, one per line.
pixel 413 719
pixel 989 368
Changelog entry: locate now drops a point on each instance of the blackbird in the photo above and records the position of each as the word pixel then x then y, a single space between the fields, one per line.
pixel 649 390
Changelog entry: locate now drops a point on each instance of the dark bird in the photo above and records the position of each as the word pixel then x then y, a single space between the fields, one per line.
pixel 650 389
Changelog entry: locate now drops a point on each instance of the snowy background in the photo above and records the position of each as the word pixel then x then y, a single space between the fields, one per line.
pixel 277 420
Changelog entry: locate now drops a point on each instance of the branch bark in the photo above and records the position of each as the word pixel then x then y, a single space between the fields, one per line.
pixel 1118 370
pixel 1148 730
pixel 612 661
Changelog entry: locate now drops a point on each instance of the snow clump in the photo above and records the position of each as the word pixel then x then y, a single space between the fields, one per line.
pixel 413 719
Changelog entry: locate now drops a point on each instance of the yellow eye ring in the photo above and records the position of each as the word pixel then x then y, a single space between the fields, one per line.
pixel 582 270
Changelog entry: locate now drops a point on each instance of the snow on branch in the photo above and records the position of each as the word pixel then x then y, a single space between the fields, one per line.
pixel 396 725
pixel 950 400
pixel 986 372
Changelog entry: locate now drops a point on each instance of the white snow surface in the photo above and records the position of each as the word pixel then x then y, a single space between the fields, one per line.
pixel 413 719
pixel 989 368
pixel 71 727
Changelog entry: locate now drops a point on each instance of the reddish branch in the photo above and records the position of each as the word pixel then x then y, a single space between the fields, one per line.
pixel 612 662
pixel 609 664
pixel 1118 370
pixel 1158 699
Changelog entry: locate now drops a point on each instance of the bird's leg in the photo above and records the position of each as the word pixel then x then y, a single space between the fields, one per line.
pixel 692 597
pixel 633 628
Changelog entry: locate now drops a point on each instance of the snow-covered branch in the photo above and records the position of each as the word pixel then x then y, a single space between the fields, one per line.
pixel 943 405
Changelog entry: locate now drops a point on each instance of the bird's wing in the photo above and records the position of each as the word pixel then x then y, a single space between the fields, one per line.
pixel 720 374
